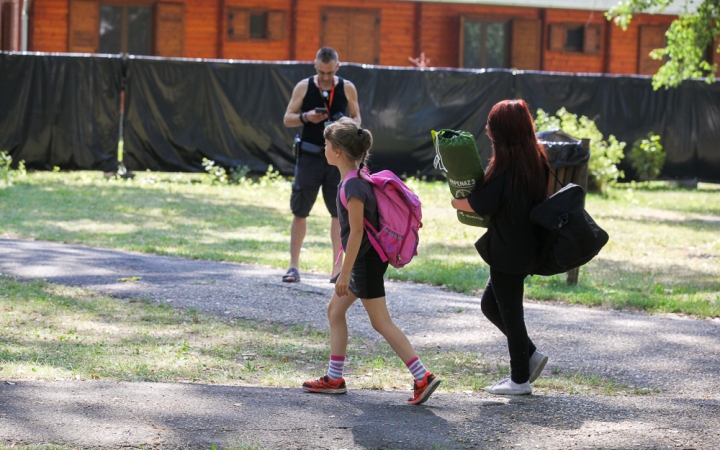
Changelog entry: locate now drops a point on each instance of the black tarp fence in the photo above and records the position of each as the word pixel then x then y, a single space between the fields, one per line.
pixel 179 112
pixel 628 108
pixel 62 110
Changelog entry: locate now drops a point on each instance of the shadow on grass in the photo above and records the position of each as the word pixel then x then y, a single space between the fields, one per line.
pixel 603 282
pixel 131 204
pixel 165 223
pixel 709 223
pixel 630 285
pixel 49 335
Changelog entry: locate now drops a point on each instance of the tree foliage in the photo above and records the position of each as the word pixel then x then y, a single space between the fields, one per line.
pixel 688 38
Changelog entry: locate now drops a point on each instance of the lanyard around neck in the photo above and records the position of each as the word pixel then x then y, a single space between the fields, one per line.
pixel 332 95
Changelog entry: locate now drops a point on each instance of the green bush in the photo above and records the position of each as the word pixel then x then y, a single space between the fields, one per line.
pixel 240 175
pixel 604 154
pixel 217 173
pixel 7 173
pixel 647 157
pixel 220 175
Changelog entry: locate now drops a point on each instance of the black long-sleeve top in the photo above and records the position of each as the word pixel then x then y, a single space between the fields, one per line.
pixel 510 244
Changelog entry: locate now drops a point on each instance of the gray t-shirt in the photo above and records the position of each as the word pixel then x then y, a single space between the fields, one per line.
pixel 362 190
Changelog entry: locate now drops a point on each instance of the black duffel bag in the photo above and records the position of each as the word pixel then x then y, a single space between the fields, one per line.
pixel 571 237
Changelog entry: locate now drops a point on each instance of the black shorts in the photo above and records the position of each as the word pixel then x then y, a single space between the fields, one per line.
pixel 366 278
pixel 311 173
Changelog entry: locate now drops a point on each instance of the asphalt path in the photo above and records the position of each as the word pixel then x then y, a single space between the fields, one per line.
pixel 678 357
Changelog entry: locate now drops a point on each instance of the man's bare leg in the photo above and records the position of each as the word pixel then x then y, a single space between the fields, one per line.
pixel 297 236
pixel 335 238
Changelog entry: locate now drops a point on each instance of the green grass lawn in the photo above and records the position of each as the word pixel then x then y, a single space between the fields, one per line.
pixel 663 254
pixel 50 332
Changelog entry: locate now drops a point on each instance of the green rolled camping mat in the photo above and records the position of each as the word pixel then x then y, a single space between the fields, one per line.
pixel 456 154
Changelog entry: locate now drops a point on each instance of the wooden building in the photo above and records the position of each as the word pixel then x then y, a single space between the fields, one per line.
pixel 538 35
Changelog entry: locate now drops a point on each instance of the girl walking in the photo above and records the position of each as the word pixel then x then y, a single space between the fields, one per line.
pixel 346 147
pixel 515 181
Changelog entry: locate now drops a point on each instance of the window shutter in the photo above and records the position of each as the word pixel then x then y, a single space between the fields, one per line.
pixel 169 29
pixel 353 33
pixel 276 25
pixel 592 39
pixel 651 37
pixel 364 33
pixel 525 50
pixel 84 26
pixel 336 31
pixel 238 24
pixel 558 36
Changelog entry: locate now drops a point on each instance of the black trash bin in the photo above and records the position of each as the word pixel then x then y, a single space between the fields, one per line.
pixel 568 157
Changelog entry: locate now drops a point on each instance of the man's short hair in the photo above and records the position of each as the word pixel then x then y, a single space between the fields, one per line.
pixel 326 55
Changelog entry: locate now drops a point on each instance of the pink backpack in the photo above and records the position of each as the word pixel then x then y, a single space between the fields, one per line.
pixel 400 217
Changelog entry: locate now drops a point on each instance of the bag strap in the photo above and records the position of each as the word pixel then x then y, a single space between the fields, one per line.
pixel 366 223
pixel 549 236
pixel 438 162
pixel 556 178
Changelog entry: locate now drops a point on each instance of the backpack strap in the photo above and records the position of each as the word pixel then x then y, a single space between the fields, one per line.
pixel 556 178
pixel 370 230
pixel 374 242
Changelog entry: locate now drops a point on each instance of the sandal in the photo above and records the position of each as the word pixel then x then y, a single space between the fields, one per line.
pixel 291 276
pixel 334 279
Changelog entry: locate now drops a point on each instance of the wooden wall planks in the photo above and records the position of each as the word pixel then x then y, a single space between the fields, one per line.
pixel 201 29
pixel 50 25
pixel 625 45
pixel 440 25
pixel 406 29
pixel 396 28
pixel 264 50
pixel 564 61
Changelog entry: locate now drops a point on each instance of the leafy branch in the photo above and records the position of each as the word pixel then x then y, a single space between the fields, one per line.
pixel 688 38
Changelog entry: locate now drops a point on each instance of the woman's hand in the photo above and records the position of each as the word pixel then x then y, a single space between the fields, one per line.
pixel 462 204
pixel 342 285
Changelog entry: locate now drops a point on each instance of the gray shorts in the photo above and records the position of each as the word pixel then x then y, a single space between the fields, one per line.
pixel 312 172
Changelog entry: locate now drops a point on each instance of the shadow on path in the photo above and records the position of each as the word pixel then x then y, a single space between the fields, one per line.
pixel 111 414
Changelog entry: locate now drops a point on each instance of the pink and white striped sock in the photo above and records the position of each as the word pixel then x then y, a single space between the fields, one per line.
pixel 417 369
pixel 337 364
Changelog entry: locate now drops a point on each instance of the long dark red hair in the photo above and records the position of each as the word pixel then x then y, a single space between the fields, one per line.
pixel 511 130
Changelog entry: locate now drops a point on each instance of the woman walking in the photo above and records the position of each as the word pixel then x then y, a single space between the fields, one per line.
pixel 515 181
pixel 346 147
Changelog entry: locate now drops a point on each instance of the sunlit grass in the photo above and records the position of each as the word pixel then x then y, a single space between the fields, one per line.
pixel 663 254
pixel 50 332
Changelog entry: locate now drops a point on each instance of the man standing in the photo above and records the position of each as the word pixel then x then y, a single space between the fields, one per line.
pixel 316 101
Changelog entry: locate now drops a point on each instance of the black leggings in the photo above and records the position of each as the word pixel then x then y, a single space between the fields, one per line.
pixel 502 304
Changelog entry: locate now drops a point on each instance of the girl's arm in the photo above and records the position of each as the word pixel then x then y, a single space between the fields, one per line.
pixel 462 204
pixel 356 214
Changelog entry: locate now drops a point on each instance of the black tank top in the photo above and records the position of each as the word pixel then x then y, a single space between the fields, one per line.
pixel 313 132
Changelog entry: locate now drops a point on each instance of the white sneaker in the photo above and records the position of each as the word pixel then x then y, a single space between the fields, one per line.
pixel 506 386
pixel 537 364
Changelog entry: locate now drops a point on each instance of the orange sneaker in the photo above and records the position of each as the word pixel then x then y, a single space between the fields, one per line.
pixel 326 385
pixel 424 390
